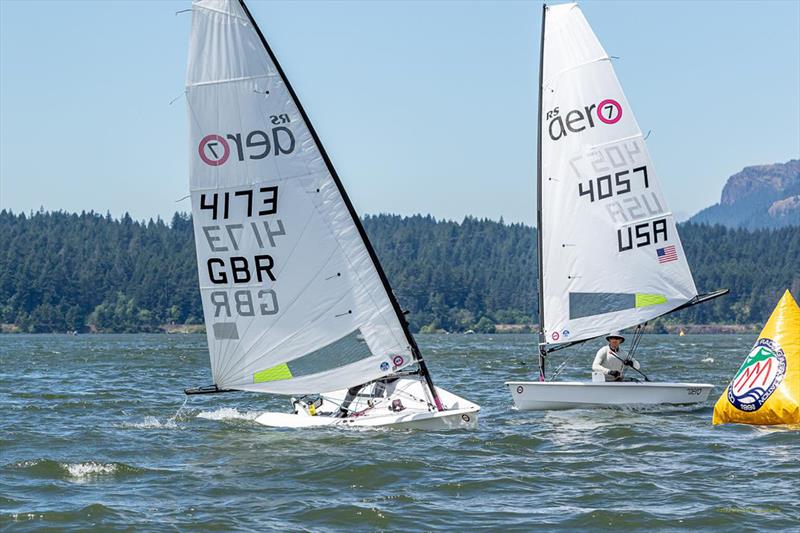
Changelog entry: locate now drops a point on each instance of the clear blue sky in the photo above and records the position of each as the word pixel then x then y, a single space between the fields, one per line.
pixel 423 106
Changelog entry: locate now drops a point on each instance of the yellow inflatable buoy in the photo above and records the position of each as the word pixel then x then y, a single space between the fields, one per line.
pixel 766 388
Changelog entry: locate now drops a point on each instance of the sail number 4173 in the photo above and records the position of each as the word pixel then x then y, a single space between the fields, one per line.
pixel 263 201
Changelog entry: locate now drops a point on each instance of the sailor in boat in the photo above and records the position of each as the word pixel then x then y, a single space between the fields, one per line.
pixel 610 362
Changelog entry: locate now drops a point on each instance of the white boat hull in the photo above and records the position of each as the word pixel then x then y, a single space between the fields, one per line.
pixel 553 395
pixel 417 411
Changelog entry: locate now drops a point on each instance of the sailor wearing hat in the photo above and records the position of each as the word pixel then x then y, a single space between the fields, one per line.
pixel 610 362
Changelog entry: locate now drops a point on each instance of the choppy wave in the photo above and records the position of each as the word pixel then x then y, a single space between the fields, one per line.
pixel 95 512
pixel 75 471
pixel 91 468
pixel 151 422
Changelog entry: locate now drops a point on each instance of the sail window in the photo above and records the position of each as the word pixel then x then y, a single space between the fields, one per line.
pixel 582 304
pixel 348 349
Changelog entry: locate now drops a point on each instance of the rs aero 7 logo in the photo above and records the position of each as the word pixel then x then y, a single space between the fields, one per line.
pixel 215 150
pixel 759 376
pixel 607 111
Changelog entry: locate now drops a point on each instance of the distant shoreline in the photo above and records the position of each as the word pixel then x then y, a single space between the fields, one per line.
pixel 658 329
pixel 500 329
pixel 663 329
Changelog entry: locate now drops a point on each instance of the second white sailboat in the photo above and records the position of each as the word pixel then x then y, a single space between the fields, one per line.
pixel 609 254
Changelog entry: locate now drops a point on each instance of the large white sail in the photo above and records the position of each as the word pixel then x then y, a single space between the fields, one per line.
pixel 611 255
pixel 293 300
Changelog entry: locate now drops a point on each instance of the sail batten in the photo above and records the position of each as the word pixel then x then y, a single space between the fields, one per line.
pixel 206 6
pixel 549 83
pixel 610 253
pixel 294 299
pixel 231 80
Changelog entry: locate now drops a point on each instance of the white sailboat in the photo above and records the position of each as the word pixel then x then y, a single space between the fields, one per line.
pixel 294 299
pixel 609 253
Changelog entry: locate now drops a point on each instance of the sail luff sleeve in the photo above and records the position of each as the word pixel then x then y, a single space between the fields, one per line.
pixel 539 228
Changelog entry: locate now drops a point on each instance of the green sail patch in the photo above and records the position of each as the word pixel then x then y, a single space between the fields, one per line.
pixel 583 304
pixel 344 351
pixel 646 300
pixel 276 373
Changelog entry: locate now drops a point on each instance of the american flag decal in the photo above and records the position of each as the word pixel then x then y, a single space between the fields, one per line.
pixel 667 254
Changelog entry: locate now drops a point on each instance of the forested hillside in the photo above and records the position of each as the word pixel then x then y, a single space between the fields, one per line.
pixel 62 272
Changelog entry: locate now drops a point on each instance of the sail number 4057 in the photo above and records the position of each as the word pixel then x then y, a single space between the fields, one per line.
pixel 611 185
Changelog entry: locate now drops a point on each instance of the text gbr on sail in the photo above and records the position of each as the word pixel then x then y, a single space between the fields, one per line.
pixel 241 216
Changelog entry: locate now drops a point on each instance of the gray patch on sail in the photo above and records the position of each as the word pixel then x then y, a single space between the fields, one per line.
pixel 582 304
pixel 226 331
pixel 348 349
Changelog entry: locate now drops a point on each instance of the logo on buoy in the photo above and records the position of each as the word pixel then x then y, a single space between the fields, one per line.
pixel 758 377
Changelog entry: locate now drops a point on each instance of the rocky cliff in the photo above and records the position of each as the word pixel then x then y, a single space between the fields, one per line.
pixel 763 196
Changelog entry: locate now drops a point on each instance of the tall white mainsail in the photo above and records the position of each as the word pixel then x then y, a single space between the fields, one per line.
pixel 293 297
pixel 610 253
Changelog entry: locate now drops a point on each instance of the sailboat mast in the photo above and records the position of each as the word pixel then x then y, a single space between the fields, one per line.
pixel 356 220
pixel 539 262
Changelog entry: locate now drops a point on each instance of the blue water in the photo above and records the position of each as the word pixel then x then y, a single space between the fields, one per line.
pixel 96 433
